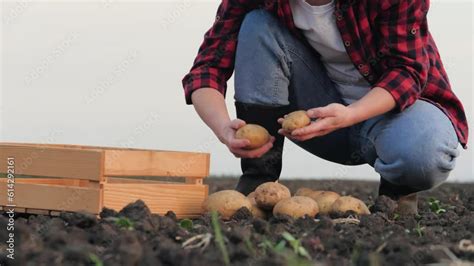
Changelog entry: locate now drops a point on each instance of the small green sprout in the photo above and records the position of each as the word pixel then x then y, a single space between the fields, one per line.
pixel 436 206
pixel 186 224
pixel 124 222
pixel 249 246
pixel 277 248
pixel 396 216
pixel 295 255
pixel 419 229
pixel 296 245
pixel 96 261
pixel 219 238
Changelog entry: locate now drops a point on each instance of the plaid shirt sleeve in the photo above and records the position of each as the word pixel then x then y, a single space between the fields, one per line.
pixel 403 27
pixel 214 63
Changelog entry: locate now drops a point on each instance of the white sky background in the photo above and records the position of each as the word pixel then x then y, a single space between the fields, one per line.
pixel 109 73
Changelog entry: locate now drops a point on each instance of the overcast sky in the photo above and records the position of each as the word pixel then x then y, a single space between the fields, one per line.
pixel 109 73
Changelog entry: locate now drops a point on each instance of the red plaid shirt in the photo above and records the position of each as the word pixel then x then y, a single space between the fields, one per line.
pixel 387 40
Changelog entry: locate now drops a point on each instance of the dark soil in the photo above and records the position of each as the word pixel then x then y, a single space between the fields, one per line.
pixel 382 238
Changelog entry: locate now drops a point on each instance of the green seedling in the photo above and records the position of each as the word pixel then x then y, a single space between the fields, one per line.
pixel 96 261
pixel 296 245
pixel 436 206
pixel 276 248
pixel 123 222
pixel 396 216
pixel 219 238
pixel 249 246
pixel 296 254
pixel 186 224
pixel 419 229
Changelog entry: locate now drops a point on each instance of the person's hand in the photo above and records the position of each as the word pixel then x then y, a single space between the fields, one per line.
pixel 328 119
pixel 238 146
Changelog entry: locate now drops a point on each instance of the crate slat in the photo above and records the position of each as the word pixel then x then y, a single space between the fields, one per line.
pixel 53 197
pixel 49 181
pixel 53 162
pixel 183 200
pixel 140 162
pixel 156 163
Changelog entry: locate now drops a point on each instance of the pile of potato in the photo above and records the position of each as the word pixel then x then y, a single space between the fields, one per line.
pixel 274 198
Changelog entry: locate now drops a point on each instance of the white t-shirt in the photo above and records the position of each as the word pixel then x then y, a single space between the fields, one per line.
pixel 318 25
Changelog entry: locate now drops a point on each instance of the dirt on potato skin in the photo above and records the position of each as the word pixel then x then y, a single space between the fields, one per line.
pixel 380 239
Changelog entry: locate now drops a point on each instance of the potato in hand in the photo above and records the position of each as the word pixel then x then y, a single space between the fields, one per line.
pixel 257 135
pixel 295 120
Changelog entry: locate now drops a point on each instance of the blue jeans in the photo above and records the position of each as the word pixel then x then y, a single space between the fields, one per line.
pixel 415 148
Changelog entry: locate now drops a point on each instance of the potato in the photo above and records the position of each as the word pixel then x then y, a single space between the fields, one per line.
pixel 267 195
pixel 325 199
pixel 256 211
pixel 304 191
pixel 296 207
pixel 295 120
pixel 348 203
pixel 257 135
pixel 226 203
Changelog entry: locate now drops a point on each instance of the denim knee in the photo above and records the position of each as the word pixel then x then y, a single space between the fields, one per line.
pixel 256 25
pixel 422 165
pixel 261 74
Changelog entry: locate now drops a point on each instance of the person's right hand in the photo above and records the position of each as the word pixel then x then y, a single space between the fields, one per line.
pixel 238 146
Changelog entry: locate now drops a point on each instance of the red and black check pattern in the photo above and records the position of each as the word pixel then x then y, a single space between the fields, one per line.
pixel 387 40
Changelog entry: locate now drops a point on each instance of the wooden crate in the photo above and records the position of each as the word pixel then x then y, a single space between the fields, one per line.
pixel 74 178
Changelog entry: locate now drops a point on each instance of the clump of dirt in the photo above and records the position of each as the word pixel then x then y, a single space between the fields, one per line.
pixel 385 205
pixel 135 236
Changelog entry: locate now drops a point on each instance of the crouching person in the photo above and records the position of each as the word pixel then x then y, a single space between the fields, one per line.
pixel 368 73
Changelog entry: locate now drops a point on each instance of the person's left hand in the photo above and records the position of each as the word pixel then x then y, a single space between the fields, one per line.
pixel 328 119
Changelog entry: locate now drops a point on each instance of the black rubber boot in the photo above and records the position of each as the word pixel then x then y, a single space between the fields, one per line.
pixel 394 191
pixel 268 167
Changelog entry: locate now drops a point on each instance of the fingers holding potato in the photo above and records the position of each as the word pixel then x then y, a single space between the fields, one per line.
pixel 255 134
pixel 295 120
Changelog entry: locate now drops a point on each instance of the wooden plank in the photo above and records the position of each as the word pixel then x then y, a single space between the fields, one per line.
pixel 185 200
pixel 155 163
pixel 48 181
pixel 197 181
pixel 191 164
pixel 59 182
pixel 54 213
pixel 53 162
pixel 78 147
pixel 122 180
pixel 53 197
pixel 17 209
pixel 38 211
pixel 20 210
